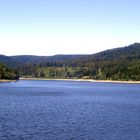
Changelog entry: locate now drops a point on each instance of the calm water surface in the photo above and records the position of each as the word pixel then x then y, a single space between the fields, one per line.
pixel 65 110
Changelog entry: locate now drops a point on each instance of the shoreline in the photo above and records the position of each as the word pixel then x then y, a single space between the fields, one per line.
pixel 84 80
pixel 6 81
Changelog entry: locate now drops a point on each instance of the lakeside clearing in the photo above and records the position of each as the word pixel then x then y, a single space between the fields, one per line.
pixel 84 80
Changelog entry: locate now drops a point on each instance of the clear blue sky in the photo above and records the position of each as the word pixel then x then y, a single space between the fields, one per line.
pixel 47 27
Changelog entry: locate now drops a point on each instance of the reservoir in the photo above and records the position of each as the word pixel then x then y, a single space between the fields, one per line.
pixel 69 110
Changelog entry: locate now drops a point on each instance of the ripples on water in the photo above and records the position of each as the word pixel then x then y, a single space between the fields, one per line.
pixel 64 110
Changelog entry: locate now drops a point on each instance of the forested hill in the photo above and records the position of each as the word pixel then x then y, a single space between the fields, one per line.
pixel 126 53
pixel 32 59
pixel 114 64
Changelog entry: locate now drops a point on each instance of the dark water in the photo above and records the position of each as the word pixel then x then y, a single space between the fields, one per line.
pixel 62 110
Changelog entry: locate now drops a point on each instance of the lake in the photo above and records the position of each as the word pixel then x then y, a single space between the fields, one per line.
pixel 69 110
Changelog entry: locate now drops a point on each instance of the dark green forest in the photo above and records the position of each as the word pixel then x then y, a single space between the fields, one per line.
pixel 115 64
pixel 9 74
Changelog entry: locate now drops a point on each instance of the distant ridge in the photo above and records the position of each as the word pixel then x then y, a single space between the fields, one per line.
pixel 7 61
pixel 128 52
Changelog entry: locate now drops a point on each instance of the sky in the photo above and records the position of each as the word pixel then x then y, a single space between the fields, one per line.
pixel 49 27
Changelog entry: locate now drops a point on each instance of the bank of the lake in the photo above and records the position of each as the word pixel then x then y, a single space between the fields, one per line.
pixel 84 80
pixel 5 81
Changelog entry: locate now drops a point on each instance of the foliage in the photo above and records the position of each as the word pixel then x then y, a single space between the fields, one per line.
pixel 9 74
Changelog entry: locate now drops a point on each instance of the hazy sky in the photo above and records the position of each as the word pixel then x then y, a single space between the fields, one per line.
pixel 47 27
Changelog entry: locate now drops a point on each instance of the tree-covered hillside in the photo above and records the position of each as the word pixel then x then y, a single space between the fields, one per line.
pixel 126 53
pixel 8 61
pixel 115 64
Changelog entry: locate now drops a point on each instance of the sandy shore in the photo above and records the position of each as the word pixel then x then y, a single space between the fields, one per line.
pixel 85 80
pixel 5 81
